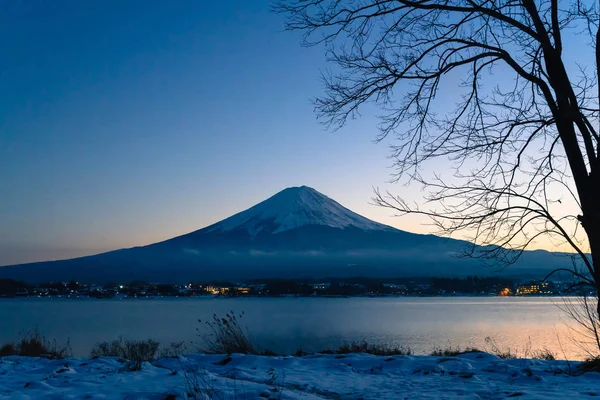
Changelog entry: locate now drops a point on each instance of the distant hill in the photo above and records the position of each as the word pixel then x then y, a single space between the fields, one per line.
pixel 297 233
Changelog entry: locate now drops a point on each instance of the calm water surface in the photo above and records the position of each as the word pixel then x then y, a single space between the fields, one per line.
pixel 285 324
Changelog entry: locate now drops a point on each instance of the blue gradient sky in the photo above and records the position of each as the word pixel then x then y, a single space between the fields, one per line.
pixel 126 123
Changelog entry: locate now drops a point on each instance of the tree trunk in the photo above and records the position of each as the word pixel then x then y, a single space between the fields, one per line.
pixel 590 220
pixel 594 239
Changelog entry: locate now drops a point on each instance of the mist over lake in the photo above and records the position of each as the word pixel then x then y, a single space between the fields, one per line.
pixel 286 324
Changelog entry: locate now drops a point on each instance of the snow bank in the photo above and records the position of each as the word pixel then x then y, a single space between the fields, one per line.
pixel 352 376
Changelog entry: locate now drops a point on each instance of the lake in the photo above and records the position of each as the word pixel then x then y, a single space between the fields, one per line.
pixel 286 324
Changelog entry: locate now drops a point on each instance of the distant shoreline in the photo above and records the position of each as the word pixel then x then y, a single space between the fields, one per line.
pixel 458 295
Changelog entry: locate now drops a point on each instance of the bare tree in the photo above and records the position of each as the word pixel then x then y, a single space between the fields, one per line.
pixel 522 132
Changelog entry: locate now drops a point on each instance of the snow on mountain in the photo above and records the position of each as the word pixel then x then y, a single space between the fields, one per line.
pixel 293 208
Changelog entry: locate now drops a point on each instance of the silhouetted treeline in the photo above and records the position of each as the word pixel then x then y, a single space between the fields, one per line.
pixel 471 284
pixel 11 287
pixel 287 287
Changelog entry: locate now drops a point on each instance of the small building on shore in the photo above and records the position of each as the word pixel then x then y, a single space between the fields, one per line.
pixel 533 288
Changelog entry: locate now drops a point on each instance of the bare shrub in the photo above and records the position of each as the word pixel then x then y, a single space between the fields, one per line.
pixel 173 350
pixel 141 350
pixel 132 350
pixel 374 349
pixel 590 365
pixel 505 354
pixel 106 349
pixel 8 349
pixel 526 352
pixel 34 344
pixel 300 352
pixel 452 351
pixel 226 335
pixel 544 354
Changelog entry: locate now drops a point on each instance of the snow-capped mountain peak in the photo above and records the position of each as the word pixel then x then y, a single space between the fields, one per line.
pixel 293 208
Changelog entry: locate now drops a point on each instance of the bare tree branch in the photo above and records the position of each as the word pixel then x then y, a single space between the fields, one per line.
pixel 517 145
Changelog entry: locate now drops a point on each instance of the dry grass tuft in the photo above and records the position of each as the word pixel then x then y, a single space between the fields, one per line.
pixel 226 335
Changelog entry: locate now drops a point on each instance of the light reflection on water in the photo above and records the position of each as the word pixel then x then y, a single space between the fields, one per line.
pixel 286 324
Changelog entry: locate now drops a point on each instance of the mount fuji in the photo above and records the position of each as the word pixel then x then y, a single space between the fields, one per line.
pixel 297 233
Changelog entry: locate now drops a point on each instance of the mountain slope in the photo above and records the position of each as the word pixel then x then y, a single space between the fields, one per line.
pixel 298 232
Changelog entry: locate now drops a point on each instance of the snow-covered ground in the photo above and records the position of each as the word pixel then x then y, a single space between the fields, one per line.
pixel 352 376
